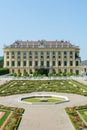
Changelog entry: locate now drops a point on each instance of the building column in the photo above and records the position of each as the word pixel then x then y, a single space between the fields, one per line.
pixel 45 60
pixel 16 59
pixel 50 62
pixel 62 59
pixel 39 59
pixel 74 60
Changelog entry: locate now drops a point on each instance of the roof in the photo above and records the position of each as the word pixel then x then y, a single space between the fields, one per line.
pixel 84 63
pixel 42 44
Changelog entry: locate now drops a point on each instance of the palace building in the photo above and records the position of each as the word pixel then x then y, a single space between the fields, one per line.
pixel 58 56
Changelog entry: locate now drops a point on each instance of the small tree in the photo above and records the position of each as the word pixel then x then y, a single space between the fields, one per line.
pixel 19 74
pixel 59 74
pixel 50 74
pixel 43 75
pixel 15 74
pixel 31 71
pixel 35 74
pixel 64 74
pixel 69 74
pixel 25 73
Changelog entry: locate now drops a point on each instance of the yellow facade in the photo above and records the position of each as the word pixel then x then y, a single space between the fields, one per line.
pixel 30 58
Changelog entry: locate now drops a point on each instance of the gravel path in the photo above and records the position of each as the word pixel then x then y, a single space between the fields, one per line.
pixel 82 81
pixel 3 82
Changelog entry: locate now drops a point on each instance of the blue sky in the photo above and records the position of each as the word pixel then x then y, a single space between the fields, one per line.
pixel 44 19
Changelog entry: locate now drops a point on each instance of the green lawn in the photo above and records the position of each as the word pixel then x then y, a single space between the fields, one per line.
pixel 39 99
pixel 83 114
pixel 4 116
pixel 28 86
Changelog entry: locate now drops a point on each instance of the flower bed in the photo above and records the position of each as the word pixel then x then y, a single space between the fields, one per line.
pixel 28 86
pixel 76 119
pixel 14 120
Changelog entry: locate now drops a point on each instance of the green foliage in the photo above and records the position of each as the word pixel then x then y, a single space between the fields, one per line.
pixel 42 71
pixel 59 74
pixel 82 112
pixel 1 62
pixel 69 74
pixel 27 86
pixel 19 74
pixel 50 74
pixel 25 73
pixel 64 74
pixel 43 75
pixel 35 74
pixel 15 118
pixel 4 71
pixel 11 74
pixel 75 118
pixel 31 71
pixel 4 117
pixel 15 74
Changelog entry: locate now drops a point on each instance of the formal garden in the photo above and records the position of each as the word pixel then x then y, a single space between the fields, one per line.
pixel 10 117
pixel 27 86
pixel 76 114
